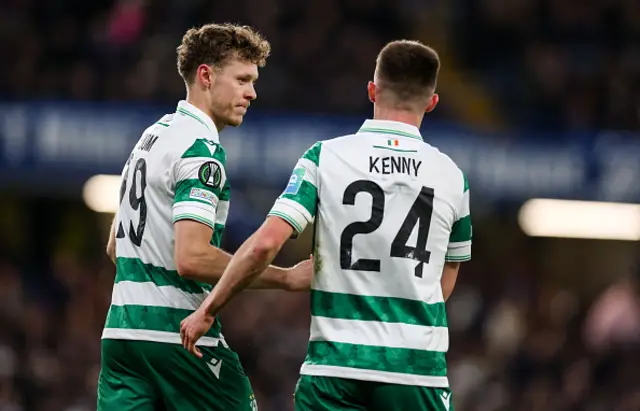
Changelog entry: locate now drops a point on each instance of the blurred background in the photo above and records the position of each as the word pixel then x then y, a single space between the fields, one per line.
pixel 540 99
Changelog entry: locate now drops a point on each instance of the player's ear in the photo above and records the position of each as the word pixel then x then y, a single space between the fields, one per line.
pixel 371 91
pixel 432 103
pixel 205 75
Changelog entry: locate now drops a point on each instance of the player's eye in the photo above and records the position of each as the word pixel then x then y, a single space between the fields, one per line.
pixel 246 79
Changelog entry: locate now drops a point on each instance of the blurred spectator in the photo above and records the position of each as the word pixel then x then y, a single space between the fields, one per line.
pixel 554 351
pixel 126 23
pixel 550 65
pixel 556 65
pixel 614 319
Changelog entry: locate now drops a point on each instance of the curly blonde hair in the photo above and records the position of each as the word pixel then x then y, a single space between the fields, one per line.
pixel 215 44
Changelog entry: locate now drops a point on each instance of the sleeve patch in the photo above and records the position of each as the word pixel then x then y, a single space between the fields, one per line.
pixel 210 174
pixel 295 181
pixel 201 194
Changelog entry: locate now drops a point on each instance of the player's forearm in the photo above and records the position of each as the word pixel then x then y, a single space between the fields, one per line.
pixel 447 290
pixel 209 265
pixel 111 242
pixel 245 267
pixel 449 278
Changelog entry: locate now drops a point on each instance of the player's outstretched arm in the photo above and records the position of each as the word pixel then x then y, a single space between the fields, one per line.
pixel 250 260
pixel 197 259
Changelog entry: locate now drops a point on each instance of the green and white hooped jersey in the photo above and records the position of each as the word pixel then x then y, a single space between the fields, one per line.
pixel 176 171
pixel 389 210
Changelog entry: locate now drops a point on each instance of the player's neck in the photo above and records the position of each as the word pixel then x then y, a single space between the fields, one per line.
pixel 199 102
pixel 401 116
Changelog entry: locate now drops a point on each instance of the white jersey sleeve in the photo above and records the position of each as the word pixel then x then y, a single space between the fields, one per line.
pixel 201 188
pixel 459 249
pixel 298 204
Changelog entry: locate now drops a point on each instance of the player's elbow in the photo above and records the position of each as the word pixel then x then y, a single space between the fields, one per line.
pixel 198 261
pixel 264 247
pixel 187 262
pixel 186 267
pixel 192 250
pixel 269 239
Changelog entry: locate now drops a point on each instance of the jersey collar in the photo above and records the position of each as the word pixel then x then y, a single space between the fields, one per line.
pixel 195 113
pixel 390 127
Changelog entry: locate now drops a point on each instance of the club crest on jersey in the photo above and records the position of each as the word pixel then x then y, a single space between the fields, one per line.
pixel 210 174
pixel 295 181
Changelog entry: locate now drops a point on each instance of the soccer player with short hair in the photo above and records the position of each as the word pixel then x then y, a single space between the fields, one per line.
pixel 166 235
pixel 392 226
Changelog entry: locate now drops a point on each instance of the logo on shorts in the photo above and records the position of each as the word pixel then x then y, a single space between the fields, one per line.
pixel 215 365
pixel 295 181
pixel 210 174
pixel 254 403
pixel 446 399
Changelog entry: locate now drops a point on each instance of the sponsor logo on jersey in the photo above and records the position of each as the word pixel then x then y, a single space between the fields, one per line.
pixel 201 194
pixel 210 174
pixel 295 181
pixel 211 145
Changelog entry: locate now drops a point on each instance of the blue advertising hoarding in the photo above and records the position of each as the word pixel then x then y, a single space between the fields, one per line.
pixel 59 144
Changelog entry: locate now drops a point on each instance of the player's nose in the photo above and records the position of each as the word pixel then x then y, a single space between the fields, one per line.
pixel 251 94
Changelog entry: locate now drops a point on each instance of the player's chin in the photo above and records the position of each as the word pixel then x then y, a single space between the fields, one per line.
pixel 235 121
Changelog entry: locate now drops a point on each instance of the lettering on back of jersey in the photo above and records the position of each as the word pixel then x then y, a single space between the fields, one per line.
pixel 394 164
pixel 147 142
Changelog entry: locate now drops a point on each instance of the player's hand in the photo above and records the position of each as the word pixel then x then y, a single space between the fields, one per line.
pixel 192 328
pixel 300 276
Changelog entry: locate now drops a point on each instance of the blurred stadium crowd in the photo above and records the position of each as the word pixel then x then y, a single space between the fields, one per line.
pixel 557 64
pixel 561 64
pixel 518 343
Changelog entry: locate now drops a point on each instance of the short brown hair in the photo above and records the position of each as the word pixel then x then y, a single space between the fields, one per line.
pixel 408 69
pixel 215 44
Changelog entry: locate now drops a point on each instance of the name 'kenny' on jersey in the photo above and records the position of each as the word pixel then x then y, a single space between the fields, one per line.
pixel 389 209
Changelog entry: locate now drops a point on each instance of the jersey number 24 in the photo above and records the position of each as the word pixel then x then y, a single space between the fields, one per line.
pixel 420 213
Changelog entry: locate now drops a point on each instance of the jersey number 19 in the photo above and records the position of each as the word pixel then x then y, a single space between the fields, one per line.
pixel 136 202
